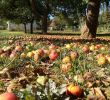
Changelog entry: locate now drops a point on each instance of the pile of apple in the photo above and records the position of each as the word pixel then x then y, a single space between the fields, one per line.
pixel 53 52
pixel 63 55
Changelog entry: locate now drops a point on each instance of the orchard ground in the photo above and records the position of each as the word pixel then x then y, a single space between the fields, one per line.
pixel 54 68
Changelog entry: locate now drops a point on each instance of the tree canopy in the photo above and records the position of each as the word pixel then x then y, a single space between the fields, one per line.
pixel 26 11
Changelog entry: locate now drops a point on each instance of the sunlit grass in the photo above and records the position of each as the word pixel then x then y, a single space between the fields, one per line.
pixel 11 33
pixel 7 33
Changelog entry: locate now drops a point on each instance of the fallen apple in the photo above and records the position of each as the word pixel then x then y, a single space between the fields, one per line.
pixel 74 90
pixel 66 59
pixel 8 96
pixel 53 55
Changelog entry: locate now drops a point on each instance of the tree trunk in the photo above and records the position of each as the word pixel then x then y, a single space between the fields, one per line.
pixel 43 14
pixel 25 29
pixel 107 14
pixel 45 18
pixel 35 8
pixel 90 27
pixel 44 24
pixel 31 27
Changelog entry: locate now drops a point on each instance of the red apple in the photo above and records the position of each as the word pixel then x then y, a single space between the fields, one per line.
pixel 8 96
pixel 85 49
pixel 40 52
pixel 53 55
pixel 98 46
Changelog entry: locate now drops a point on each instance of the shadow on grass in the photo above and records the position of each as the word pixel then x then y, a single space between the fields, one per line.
pixel 74 34
pixel 104 35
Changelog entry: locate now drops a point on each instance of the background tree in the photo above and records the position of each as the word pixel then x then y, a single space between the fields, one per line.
pixel 24 14
pixel 70 9
pixel 17 11
pixel 40 9
pixel 90 27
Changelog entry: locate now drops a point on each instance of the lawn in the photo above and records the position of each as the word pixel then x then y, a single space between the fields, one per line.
pixel 10 33
pixel 7 33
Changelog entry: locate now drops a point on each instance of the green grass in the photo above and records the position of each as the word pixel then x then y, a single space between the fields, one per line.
pixel 11 33
pixel 7 33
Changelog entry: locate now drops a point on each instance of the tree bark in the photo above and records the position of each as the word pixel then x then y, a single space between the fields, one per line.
pixel 41 14
pixel 31 27
pixel 35 8
pixel 45 18
pixel 107 14
pixel 44 24
pixel 25 29
pixel 90 27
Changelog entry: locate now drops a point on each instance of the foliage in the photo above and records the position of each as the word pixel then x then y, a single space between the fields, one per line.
pixel 17 11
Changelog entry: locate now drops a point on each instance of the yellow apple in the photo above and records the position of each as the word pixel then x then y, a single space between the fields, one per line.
pixel 68 46
pixel 92 48
pixel 23 55
pixel 101 60
pixel 66 59
pixel 73 55
pixel 30 54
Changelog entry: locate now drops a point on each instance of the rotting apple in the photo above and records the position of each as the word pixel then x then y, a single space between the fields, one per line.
pixel 65 67
pixel 73 55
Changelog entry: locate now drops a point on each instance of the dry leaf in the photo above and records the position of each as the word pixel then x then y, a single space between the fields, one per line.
pixel 3 71
pixel 99 93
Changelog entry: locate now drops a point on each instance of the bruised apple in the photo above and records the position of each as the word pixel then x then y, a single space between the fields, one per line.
pixel 65 67
pixel 8 96
pixel 85 49
pixel 18 48
pixel 40 52
pixel 73 55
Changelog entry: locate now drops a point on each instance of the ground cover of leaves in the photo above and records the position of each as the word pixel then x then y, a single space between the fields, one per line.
pixel 42 70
